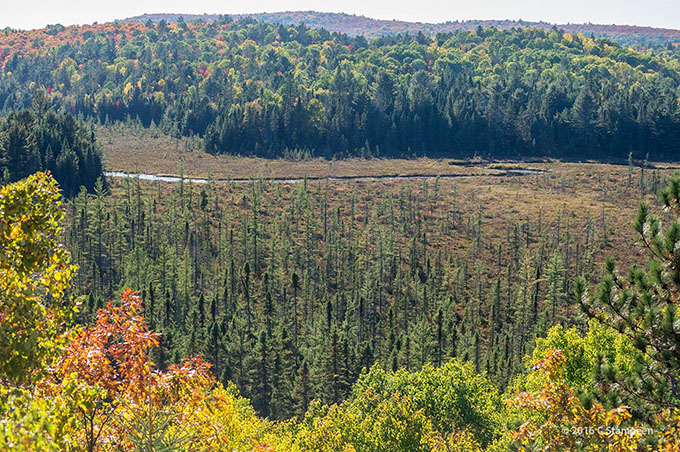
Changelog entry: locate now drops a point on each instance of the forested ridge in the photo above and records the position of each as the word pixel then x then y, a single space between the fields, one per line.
pixel 302 314
pixel 366 26
pixel 263 89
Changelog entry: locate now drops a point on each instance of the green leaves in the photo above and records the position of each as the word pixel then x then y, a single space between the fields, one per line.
pixel 35 274
pixel 427 410
pixel 32 421
pixel 643 309
pixel 453 397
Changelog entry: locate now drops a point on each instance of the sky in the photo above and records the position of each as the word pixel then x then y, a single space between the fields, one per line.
pixel 27 14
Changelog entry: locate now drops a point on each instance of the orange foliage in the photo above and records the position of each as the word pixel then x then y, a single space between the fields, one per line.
pixel 558 421
pixel 670 439
pixel 40 41
pixel 114 352
pixel 107 373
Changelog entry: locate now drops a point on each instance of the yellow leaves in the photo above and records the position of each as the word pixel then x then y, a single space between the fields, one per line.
pixel 553 363
pixel 33 421
pixel 458 441
pixel 159 97
pixel 218 419
pixel 670 438
pixel 556 418
pixel 35 273
pixel 106 373
pixel 402 411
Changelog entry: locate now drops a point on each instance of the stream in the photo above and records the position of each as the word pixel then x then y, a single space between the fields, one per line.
pixel 198 180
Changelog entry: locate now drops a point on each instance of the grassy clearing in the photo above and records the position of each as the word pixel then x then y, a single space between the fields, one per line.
pixel 570 196
pixel 148 151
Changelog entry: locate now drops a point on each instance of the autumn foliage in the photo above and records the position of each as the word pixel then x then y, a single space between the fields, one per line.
pixel 35 276
pixel 96 388
pixel 90 388
pixel 557 420
pixel 129 403
pixel 114 353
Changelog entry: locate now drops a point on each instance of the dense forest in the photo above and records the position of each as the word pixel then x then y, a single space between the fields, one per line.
pixel 262 89
pixel 38 139
pixel 628 35
pixel 290 290
pixel 486 309
pixel 608 383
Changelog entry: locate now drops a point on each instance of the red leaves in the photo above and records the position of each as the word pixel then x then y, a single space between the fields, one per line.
pixel 191 367
pixel 114 352
pixel 109 362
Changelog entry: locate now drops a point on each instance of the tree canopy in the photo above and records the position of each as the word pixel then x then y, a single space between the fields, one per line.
pixel 38 139
pixel 265 89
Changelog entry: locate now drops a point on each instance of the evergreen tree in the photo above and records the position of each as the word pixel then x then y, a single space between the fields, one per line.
pixel 642 307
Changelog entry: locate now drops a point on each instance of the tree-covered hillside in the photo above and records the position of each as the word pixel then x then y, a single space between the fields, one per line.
pixel 290 289
pixel 366 26
pixel 261 89
pixel 38 139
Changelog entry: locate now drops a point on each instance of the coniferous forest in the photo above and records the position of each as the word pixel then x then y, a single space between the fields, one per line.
pixel 527 304
pixel 38 139
pixel 328 278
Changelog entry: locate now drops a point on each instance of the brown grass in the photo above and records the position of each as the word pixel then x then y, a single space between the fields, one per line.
pixel 147 151
pixel 575 192
pixel 567 197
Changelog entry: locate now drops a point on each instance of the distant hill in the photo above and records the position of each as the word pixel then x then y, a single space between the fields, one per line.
pixel 252 88
pixel 361 25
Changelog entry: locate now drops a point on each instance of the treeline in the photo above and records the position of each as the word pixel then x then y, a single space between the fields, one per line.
pixel 289 291
pixel 261 89
pixel 625 35
pixel 38 139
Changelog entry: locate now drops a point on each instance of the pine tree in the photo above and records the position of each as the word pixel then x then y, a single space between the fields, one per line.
pixel 642 307
pixel 330 387
pixel 423 343
pixel 555 274
pixel 262 391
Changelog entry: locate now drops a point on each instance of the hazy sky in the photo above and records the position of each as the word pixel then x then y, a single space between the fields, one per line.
pixel 659 13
